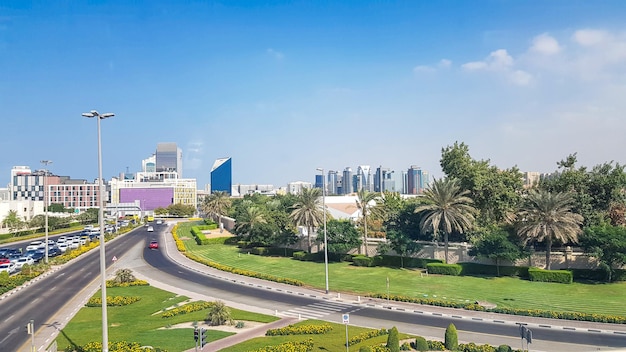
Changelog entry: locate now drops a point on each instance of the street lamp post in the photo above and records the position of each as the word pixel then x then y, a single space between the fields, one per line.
pixel 103 283
pixel 325 237
pixel 45 203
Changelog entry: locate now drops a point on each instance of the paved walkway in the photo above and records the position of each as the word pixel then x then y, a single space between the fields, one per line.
pixel 48 331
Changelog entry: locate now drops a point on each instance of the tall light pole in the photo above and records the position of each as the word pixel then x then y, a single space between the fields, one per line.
pixel 45 202
pixel 325 237
pixel 103 282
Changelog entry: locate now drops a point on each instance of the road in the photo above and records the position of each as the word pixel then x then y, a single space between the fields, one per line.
pixel 42 299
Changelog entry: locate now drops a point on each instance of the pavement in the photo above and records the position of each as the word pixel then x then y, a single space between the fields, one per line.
pixel 48 331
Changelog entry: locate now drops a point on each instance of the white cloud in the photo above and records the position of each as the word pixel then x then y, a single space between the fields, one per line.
pixel 497 60
pixel 520 78
pixel 275 54
pixel 590 37
pixel 545 44
pixel 444 63
pixel 475 65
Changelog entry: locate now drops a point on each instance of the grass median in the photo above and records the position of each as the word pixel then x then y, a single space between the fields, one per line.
pixel 510 292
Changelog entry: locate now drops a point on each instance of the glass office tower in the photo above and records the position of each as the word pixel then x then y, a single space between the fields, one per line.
pixel 222 176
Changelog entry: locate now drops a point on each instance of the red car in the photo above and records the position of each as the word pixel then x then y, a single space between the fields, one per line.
pixel 153 245
pixel 4 261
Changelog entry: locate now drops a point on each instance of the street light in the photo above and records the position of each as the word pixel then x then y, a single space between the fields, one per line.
pixel 45 202
pixel 325 237
pixel 103 283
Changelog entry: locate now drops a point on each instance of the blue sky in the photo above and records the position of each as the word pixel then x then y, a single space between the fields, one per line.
pixel 285 87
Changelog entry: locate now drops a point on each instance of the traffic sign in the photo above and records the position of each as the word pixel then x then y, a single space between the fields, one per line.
pixel 346 318
pixel 114 259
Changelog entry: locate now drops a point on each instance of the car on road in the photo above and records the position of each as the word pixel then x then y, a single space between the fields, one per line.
pixel 150 229
pixel 153 245
pixel 4 261
pixel 8 267
pixel 159 222
pixel 21 261
pixel 62 246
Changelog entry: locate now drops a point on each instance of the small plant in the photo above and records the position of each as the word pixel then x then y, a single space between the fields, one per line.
pixel 421 344
pixel 451 340
pixel 365 349
pixel 219 314
pixel 393 342
pixel 240 325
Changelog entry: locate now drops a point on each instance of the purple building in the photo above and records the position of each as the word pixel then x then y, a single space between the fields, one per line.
pixel 149 198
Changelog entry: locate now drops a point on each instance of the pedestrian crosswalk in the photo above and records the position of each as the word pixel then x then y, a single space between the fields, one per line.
pixel 317 310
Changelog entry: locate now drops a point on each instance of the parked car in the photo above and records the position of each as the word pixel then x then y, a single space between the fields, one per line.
pixel 4 261
pixel 35 245
pixel 62 246
pixel 153 245
pixel 8 267
pixel 21 261
pixel 38 256
pixel 54 251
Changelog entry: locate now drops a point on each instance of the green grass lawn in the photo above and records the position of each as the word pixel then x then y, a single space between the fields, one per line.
pixel 141 321
pixel 503 291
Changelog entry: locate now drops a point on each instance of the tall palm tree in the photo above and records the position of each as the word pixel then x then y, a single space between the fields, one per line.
pixel 253 217
pixel 363 200
pixel 548 216
pixel 447 209
pixel 308 211
pixel 216 204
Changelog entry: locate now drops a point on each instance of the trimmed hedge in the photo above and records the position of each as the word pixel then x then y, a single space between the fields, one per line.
pixel 444 269
pixel 200 238
pixel 559 276
pixel 407 262
pixel 309 329
pixel 361 260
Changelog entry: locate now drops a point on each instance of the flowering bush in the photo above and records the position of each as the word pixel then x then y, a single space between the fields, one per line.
pixel 179 244
pixel 302 346
pixel 187 308
pixel 117 346
pixel 300 330
pixel 366 336
pixel 112 301
pixel 112 283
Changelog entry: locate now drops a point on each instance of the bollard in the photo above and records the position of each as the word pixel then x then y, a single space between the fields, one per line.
pixel 339 295
pixel 299 316
pixel 358 298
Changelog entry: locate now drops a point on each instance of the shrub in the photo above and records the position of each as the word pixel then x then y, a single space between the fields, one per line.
pixel 451 340
pixel 365 349
pixel 393 342
pixel 559 276
pixel 444 269
pixel 361 260
pixel 505 348
pixel 421 344
pixel 300 330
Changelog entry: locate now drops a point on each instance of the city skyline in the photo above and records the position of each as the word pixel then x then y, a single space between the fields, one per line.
pixel 286 87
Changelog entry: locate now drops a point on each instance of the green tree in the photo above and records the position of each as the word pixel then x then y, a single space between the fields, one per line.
pixel 250 222
pixel 496 192
pixel 496 246
pixel 547 217
pixel 181 210
pixel 421 344
pixel 447 209
pixel 56 208
pixel 341 236
pixel 219 314
pixel 160 211
pixel 216 204
pixel 308 211
pixel 402 244
pixel 124 276
pixel 13 222
pixel 451 340
pixel 393 340
pixel 608 244
pixel 364 203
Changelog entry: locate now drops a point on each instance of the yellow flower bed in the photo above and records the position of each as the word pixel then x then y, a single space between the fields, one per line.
pixel 113 301
pixel 294 346
pixel 300 330
pixel 187 308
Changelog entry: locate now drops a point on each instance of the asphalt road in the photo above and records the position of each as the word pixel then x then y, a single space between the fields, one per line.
pixel 42 299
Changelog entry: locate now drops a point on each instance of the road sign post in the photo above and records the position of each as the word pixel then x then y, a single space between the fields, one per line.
pixel 346 321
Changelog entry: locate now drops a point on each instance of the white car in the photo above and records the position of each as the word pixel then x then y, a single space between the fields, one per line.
pixel 159 222
pixel 21 261
pixel 74 244
pixel 35 245
pixel 62 246
pixel 150 229
pixel 8 267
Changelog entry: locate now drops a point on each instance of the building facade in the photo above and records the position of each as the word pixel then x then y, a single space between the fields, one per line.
pixel 169 158
pixel 222 176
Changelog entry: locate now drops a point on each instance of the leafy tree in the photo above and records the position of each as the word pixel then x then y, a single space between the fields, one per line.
pixel 219 314
pixel 393 340
pixel 249 222
pixel 56 208
pixel 496 245
pixel 608 244
pixel 496 193
pixel 402 244
pixel 363 203
pixel 181 210
pixel 547 217
pixel 421 344
pixel 308 211
pixel 13 222
pixel 447 209
pixel 216 204
pixel 160 211
pixel 451 340
pixel 88 216
pixel 341 236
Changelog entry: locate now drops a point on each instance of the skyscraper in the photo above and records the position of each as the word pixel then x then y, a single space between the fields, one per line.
pixel 332 182
pixel 415 183
pixel 169 158
pixel 364 179
pixel 222 176
pixel 346 184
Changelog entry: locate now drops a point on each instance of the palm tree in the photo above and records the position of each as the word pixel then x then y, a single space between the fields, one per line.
pixel 252 218
pixel 447 209
pixel 548 216
pixel 216 204
pixel 363 200
pixel 308 211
